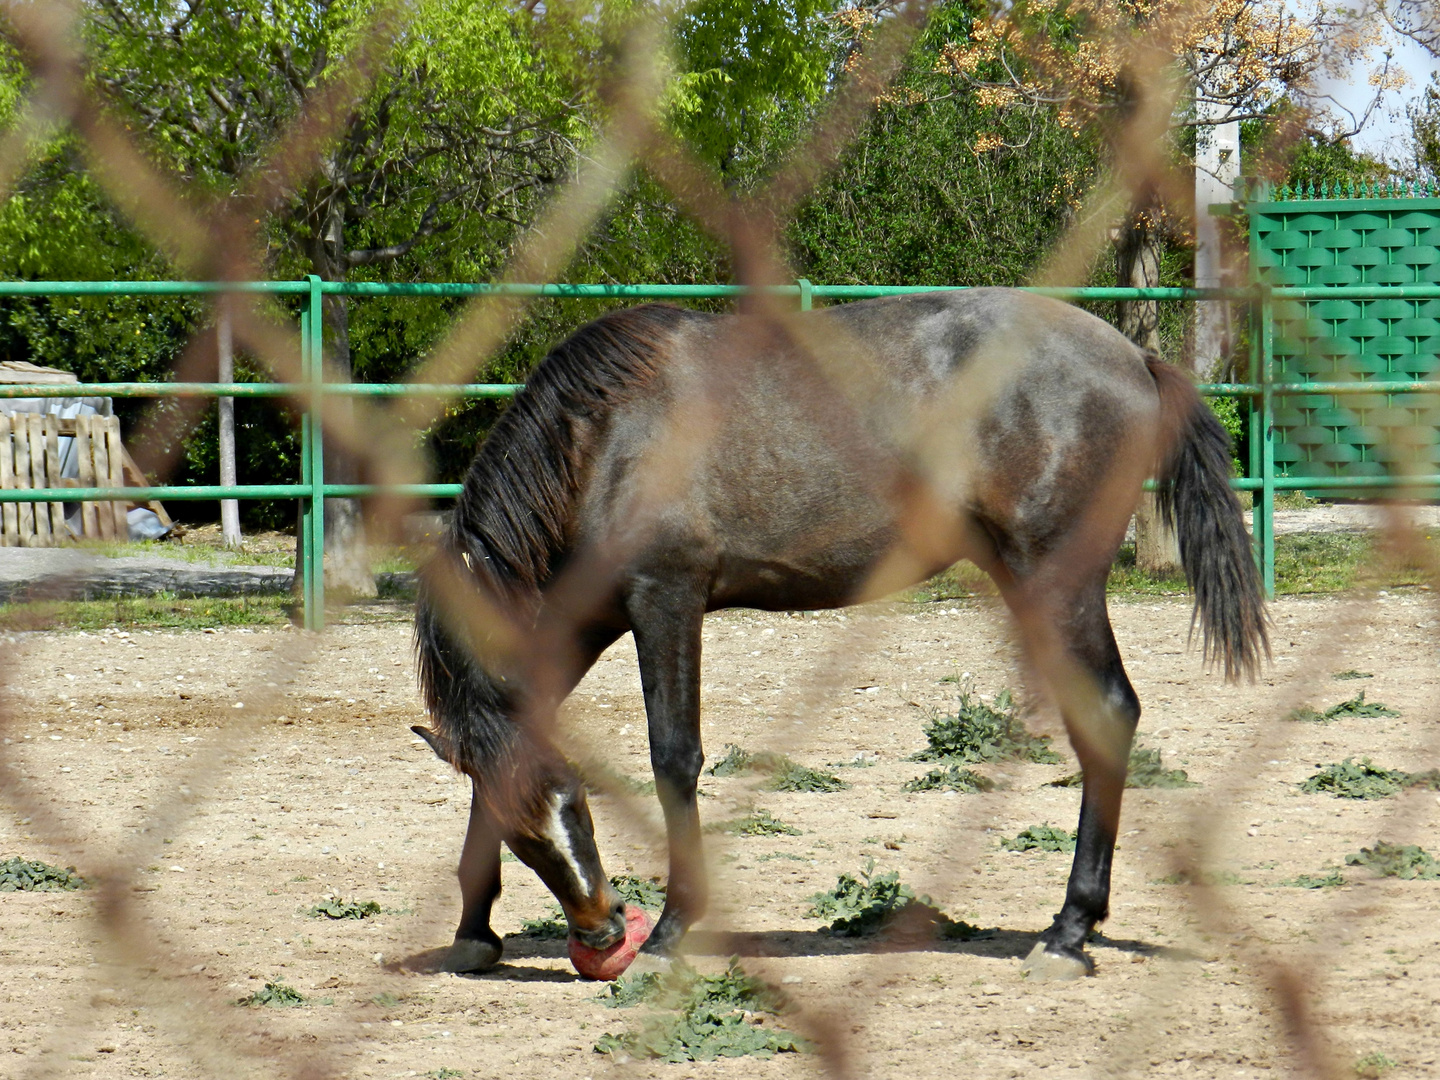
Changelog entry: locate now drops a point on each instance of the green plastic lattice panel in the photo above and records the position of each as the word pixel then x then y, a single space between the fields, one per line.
pixel 1351 241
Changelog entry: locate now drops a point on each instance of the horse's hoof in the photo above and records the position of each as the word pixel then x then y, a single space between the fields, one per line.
pixel 471 954
pixel 1044 966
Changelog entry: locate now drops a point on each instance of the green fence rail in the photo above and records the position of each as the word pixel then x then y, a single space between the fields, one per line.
pixel 308 393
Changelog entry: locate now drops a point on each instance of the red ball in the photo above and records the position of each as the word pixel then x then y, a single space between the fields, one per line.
pixel 606 965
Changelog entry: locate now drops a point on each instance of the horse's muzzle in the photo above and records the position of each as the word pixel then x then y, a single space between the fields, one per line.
pixel 605 935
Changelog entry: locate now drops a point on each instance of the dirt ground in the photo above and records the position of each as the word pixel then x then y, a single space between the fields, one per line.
pixel 242 777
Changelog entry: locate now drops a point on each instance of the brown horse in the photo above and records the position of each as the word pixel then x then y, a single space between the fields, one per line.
pixel 662 463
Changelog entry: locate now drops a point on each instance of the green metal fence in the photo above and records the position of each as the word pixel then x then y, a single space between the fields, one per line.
pixel 311 488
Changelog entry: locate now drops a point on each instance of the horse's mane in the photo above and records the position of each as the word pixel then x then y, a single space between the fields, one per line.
pixel 517 499
pixel 510 523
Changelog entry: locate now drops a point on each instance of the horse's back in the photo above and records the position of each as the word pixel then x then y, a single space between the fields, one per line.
pixel 797 443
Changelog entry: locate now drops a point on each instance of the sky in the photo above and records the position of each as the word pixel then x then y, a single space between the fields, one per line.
pixel 1387 132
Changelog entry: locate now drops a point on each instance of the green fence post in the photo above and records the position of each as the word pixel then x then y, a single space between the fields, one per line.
pixel 1257 437
pixel 805 293
pixel 1266 509
pixel 302 546
pixel 315 534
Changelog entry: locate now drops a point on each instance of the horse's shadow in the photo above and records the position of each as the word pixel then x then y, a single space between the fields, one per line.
pixel 999 944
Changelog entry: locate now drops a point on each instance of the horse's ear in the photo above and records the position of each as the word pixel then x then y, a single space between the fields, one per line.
pixel 441 745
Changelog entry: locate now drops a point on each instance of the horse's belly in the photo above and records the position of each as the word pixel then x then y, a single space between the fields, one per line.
pixel 823 575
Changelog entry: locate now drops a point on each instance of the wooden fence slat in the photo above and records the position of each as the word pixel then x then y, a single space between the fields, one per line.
pixel 9 536
pixel 117 475
pixel 25 530
pixel 9 533
pixel 84 454
pixel 102 475
pixel 58 530
pixel 35 423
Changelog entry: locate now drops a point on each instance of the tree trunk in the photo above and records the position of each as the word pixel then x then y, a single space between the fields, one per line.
pixel 347 558
pixel 225 406
pixel 1137 265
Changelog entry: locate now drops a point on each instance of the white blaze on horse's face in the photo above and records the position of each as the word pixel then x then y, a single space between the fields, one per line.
pixel 554 831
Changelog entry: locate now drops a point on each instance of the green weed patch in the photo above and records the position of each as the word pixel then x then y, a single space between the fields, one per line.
pixel 346 909
pixel 859 906
pixel 1331 879
pixel 1352 708
pixel 31 875
pixel 983 732
pixel 1374 1065
pixel 1409 862
pixel 1146 769
pixel 640 892
pixel 755 823
pixel 1041 838
pixel 552 927
pixel 785 774
pixel 1345 676
pixel 276 994
pixel 1363 779
pixel 951 778
pixel 699 1017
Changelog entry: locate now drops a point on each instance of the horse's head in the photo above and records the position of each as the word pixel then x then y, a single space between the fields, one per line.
pixel 557 841
pixel 551 831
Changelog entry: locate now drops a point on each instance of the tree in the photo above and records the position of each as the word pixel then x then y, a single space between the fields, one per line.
pixel 472 112
pixel 1424 115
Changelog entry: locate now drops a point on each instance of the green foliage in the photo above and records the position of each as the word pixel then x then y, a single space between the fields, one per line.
pixel 641 892
pixel 950 778
pixel 755 823
pixel 1145 769
pixel 1407 861
pixel 1373 1065
pixel 1316 161
pixel 1351 779
pixel 913 200
pixel 445 1074
pixel 785 774
pixel 983 732
pixel 1345 710
pixel 1040 838
pixel 1341 676
pixel 276 994
pixel 863 905
pixel 552 927
pixel 1424 114
pixel 32 875
pixel 1330 879
pixel 699 1017
pixel 348 909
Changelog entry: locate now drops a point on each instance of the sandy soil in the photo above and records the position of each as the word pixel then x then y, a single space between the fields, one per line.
pixel 241 777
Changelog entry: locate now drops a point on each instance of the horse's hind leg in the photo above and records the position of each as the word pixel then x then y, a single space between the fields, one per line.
pixel 1083 667
pixel 477 947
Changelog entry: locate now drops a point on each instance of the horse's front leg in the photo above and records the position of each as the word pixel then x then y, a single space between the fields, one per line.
pixel 666 622
pixel 476 946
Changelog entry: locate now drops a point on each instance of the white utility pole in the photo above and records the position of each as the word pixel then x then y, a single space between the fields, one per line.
pixel 1217 165
pixel 225 346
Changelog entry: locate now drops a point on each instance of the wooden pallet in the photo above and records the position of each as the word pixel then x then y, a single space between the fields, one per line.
pixel 30 458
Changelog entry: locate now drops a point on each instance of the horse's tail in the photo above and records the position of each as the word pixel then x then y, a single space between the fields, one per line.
pixel 1195 499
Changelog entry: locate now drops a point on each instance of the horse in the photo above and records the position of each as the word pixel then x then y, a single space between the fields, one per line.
pixel 663 463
